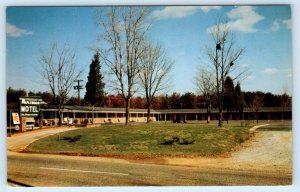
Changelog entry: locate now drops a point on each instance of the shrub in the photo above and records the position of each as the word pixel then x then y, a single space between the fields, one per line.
pixel 85 121
pixel 76 121
pixel 181 139
pixel 168 140
pixel 186 141
pixel 72 139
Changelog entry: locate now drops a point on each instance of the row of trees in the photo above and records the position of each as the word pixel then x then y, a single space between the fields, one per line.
pixel 130 56
pixel 235 101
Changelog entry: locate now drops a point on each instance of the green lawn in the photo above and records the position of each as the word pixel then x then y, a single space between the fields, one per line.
pixel 155 139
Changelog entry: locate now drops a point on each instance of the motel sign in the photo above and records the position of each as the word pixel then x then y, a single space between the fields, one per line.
pixel 29 106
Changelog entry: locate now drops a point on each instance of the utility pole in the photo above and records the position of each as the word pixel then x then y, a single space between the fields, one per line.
pixel 78 87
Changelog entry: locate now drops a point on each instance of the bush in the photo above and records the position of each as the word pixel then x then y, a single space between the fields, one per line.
pixel 72 139
pixel 76 121
pixel 85 121
pixel 186 141
pixel 167 140
pixel 181 139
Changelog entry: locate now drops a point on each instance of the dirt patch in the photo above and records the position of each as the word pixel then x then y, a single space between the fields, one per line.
pixel 270 150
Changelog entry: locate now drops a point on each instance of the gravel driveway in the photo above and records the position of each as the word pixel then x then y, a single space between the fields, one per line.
pixel 266 151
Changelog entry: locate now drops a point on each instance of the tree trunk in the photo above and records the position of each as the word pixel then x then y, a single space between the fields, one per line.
pixel 208 113
pixel 148 113
pixel 93 115
pixel 221 110
pixel 243 116
pixel 127 101
pixel 220 118
pixel 60 116
pixel 220 114
pixel 227 116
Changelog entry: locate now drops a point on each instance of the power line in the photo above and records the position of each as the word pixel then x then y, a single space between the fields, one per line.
pixel 78 87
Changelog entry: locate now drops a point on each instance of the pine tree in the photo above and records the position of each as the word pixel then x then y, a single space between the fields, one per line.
pixel 95 94
pixel 228 96
pixel 239 100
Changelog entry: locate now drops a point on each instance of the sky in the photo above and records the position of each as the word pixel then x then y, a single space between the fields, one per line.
pixel 264 31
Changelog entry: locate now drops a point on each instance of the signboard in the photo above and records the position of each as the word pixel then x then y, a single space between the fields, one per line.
pixel 30 106
pixel 16 119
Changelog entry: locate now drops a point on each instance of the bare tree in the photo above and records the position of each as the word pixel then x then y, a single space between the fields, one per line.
pixel 124 30
pixel 224 59
pixel 59 71
pixel 257 104
pixel 155 67
pixel 205 84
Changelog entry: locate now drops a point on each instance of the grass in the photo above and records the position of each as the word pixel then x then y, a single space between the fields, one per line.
pixel 277 126
pixel 146 139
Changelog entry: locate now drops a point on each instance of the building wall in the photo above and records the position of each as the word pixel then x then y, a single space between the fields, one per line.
pixel 119 117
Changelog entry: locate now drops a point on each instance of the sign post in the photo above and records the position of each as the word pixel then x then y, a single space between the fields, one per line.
pixel 29 107
pixel 16 119
pixel 13 119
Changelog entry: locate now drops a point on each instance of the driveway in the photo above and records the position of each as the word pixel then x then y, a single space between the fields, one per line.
pixel 266 151
pixel 266 159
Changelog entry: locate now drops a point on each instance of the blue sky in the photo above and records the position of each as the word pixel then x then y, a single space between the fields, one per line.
pixel 264 31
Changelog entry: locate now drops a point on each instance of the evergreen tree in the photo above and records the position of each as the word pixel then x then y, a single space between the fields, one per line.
pixel 95 94
pixel 239 100
pixel 228 96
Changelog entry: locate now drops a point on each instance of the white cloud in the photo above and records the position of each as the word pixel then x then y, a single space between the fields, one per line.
pixel 181 11
pixel 288 23
pixel 270 71
pixel 214 29
pixel 276 25
pixel 13 31
pixel 173 12
pixel 243 18
pixel 206 9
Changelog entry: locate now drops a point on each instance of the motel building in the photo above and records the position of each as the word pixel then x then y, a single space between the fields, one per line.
pixel 82 114
pixel 34 113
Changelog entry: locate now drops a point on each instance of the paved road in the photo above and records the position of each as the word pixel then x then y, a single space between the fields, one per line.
pixel 20 141
pixel 56 170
